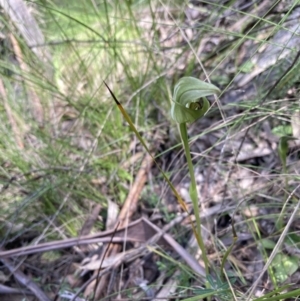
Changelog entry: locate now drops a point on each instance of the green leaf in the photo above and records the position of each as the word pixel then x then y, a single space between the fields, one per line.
pixel 284 266
pixel 282 150
pixel 247 67
pixel 189 102
pixel 283 147
pixel 268 243
pixel 292 239
pixel 282 130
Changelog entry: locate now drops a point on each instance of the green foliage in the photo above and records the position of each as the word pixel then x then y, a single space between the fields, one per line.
pixel 218 288
pixel 282 130
pixel 283 149
pixel 284 266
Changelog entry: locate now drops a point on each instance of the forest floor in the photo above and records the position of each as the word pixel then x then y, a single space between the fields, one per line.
pixel 86 212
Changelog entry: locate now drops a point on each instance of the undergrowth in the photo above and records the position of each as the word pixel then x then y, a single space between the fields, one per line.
pixel 65 147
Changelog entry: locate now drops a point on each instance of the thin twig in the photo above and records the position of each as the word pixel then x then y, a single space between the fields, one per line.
pixel 25 281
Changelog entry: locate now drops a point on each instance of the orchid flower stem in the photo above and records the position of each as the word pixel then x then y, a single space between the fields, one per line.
pixel 194 193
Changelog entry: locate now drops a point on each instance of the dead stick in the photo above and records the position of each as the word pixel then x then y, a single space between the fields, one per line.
pixel 128 210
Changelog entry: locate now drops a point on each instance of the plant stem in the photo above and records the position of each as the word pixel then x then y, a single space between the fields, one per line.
pixel 194 193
